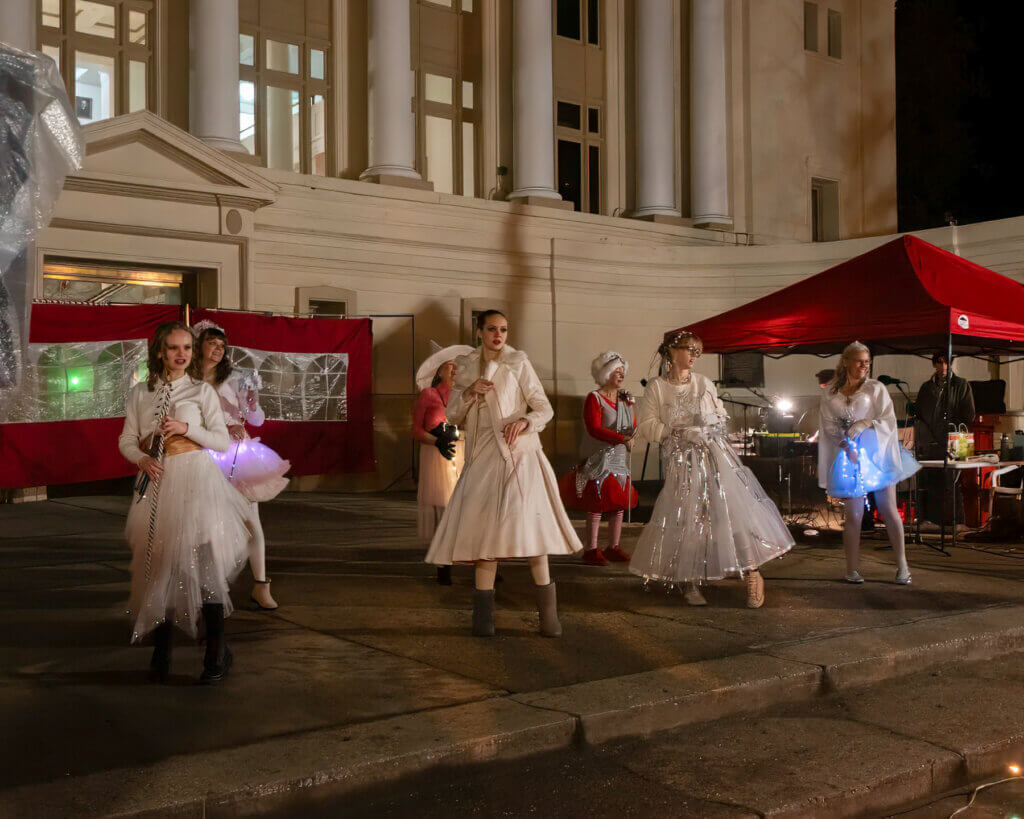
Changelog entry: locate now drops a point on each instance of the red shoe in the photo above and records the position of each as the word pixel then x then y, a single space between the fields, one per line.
pixel 593 557
pixel 615 555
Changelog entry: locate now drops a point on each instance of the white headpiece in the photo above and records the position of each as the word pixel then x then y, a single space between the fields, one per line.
pixel 605 364
pixel 438 355
pixel 205 324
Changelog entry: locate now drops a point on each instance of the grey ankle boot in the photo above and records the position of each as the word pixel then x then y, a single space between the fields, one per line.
pixel 483 612
pixel 547 608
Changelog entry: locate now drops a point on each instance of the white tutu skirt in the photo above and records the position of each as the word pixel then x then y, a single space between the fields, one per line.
pixel 711 520
pixel 199 544
pixel 437 480
pixel 253 469
pixel 873 470
pixel 497 513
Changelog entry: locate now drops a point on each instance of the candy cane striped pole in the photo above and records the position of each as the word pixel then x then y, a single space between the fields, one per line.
pixel 163 404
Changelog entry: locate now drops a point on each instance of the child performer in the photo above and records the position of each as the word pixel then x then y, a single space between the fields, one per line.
pixel 188 529
pixel 859 452
pixel 601 483
pixel 441 453
pixel 712 519
pixel 253 469
pixel 506 503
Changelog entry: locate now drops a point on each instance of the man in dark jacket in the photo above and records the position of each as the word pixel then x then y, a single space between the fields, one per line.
pixel 930 434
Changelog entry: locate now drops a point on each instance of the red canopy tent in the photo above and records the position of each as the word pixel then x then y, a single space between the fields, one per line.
pixel 907 296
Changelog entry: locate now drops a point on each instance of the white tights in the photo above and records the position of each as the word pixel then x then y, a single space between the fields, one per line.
pixel 257 547
pixel 885 499
pixel 487 569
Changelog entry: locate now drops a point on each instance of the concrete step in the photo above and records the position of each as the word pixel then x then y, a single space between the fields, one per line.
pixel 339 760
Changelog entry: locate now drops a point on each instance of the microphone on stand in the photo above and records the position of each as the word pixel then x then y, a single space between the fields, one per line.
pixel 643 382
pixel 889 381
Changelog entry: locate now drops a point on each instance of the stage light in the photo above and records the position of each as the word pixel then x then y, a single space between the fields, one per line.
pixel 783 404
pixel 1014 769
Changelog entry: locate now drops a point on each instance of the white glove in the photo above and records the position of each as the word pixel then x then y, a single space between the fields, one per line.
pixel 857 428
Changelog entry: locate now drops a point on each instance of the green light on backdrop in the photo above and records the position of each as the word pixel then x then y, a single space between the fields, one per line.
pixel 79 379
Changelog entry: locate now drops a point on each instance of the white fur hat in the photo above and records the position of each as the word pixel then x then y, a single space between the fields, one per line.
pixel 438 355
pixel 605 364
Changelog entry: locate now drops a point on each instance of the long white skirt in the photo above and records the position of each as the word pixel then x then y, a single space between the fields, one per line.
pixel 497 513
pixel 199 544
pixel 438 477
pixel 712 518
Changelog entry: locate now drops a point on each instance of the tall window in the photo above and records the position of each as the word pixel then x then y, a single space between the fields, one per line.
pixel 835 34
pixel 579 20
pixel 578 151
pixel 810 26
pixel 824 210
pixel 284 83
pixel 104 49
pixel 447 57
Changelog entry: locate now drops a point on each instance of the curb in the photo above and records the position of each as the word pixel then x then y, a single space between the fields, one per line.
pixel 338 760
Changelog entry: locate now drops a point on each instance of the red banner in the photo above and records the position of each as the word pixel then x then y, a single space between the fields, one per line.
pixel 332 435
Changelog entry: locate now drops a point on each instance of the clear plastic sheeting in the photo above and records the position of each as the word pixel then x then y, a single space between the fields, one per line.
pixel 40 143
pixel 73 382
pixel 298 386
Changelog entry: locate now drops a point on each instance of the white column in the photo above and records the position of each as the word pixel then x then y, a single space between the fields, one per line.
pixel 655 109
pixel 18 23
pixel 709 158
pixel 533 102
pixel 213 78
pixel 392 125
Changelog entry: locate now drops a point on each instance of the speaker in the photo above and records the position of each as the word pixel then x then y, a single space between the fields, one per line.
pixel 989 397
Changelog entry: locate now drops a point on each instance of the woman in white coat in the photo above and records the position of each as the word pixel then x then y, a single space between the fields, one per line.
pixel 506 504
pixel 859 452
pixel 712 519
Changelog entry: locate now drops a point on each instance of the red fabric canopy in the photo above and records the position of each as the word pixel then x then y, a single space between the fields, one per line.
pixel 905 296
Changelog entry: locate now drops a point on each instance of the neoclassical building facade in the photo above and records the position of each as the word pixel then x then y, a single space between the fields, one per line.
pixel 600 169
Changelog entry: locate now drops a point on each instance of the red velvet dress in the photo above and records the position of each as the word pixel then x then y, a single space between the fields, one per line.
pixel 601 482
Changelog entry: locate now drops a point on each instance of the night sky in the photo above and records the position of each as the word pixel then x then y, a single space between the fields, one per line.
pixel 959 75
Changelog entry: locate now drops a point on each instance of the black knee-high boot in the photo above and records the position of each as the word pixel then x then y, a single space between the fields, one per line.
pixel 217 661
pixel 160 664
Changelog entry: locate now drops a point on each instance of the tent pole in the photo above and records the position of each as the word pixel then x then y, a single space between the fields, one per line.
pixel 945 450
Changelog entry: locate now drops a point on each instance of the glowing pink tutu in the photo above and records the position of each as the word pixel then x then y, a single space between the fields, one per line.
pixel 257 471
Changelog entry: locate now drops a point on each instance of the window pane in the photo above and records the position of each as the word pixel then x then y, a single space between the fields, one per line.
pixel 247 115
pixel 137 27
pixel 593 22
pixel 94 87
pixel 570 172
pixel 136 86
pixel 810 26
pixel 317 135
pixel 835 34
pixel 467 94
pixel 594 120
pixel 468 160
pixel 283 129
pixel 438 88
pixel 51 13
pixel 282 57
pixel 567 19
pixel 439 153
pixel 467 6
pixel 53 52
pixel 317 64
pixel 246 49
pixel 568 115
pixel 96 19
pixel 594 178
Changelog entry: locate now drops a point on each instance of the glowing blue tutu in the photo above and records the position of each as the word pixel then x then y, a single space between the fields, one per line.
pixel 253 469
pixel 874 469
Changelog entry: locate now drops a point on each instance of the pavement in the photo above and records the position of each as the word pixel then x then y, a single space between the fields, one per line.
pixel 367 677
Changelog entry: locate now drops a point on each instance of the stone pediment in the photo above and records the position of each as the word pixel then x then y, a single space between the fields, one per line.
pixel 143 155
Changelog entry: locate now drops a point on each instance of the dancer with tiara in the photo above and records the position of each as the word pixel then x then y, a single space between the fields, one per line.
pixel 442 453
pixel 859 452
pixel 187 527
pixel 601 483
pixel 252 468
pixel 712 519
pixel 506 503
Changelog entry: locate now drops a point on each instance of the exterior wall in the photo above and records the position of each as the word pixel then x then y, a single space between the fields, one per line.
pixel 814 116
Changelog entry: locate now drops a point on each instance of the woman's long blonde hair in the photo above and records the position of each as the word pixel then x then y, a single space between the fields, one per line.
pixel 841 376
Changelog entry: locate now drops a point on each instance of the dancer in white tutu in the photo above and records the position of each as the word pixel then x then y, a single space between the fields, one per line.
pixel 859 452
pixel 506 503
pixel 188 528
pixel 442 453
pixel 712 519
pixel 253 469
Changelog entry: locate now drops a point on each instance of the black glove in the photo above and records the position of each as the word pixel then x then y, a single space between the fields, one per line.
pixel 445 447
pixel 444 439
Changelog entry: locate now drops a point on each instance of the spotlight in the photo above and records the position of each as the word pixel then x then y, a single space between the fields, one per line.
pixel 783 405
pixel 1014 769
